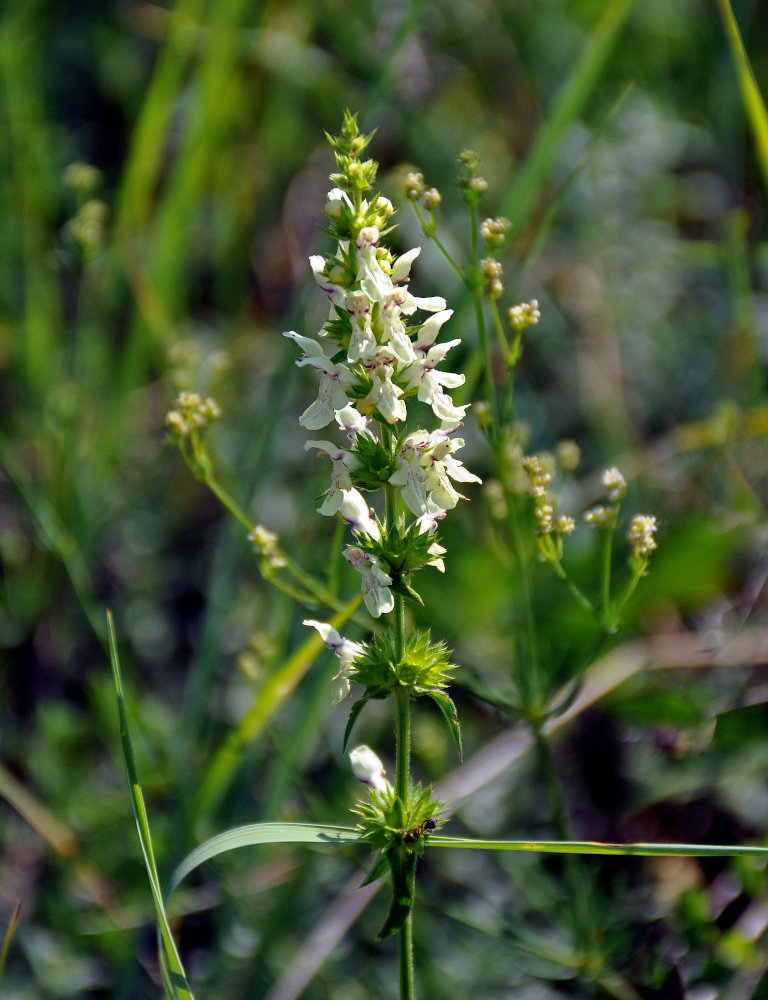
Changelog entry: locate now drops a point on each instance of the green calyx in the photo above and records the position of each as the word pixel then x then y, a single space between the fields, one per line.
pixel 424 669
pixel 401 550
pixel 386 822
pixel 399 831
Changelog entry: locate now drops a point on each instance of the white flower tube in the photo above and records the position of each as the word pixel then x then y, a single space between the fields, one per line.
pixel 367 768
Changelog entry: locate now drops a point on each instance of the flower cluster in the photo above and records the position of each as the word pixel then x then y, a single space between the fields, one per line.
pixel 550 531
pixel 371 357
pixel 192 413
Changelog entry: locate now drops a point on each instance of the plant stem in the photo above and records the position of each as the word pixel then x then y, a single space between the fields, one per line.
pixel 402 781
pixel 403 744
pixel 575 876
pixel 405 958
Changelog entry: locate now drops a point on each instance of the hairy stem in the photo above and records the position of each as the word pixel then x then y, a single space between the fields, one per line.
pixel 405 958
pixel 402 781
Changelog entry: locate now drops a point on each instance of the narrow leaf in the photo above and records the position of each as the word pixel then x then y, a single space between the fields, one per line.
pixel 754 105
pixel 381 867
pixel 169 952
pixel 275 690
pixel 403 868
pixel 530 180
pixel 353 714
pixel 448 709
pixel 9 933
pixel 595 847
pixel 263 833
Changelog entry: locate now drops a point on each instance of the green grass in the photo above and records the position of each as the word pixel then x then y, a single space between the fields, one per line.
pixel 627 142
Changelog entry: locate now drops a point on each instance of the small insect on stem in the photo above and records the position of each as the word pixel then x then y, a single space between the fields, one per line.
pixel 413 835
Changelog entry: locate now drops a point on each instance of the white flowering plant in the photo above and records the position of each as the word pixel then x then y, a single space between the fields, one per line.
pixel 374 356
pixel 377 359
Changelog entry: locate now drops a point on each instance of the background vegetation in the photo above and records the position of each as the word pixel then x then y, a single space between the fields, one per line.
pixel 614 135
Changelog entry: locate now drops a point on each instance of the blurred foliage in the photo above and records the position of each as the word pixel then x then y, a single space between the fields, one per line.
pixel 172 258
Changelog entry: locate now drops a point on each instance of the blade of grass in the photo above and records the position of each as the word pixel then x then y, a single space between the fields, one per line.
pixel 274 692
pixel 594 847
pixel 54 536
pixel 61 839
pixel 529 181
pixel 31 164
pixel 9 934
pixel 754 105
pixel 177 979
pixel 262 833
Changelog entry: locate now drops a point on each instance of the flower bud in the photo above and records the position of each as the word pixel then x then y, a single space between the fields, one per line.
pixel 367 767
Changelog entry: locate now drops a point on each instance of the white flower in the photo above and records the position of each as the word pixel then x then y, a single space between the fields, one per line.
pixel 336 201
pixel 367 768
pixel 430 517
pixel 401 269
pixel 343 462
pixel 378 598
pixel 352 421
pixel 437 552
pixel 614 483
pixel 641 534
pixel 373 280
pixel 409 474
pixel 441 467
pixel 345 649
pixel 336 292
pixel 425 468
pixel 356 512
pixel 423 376
pixel 335 379
pixel 393 329
pixel 362 343
pixel 384 394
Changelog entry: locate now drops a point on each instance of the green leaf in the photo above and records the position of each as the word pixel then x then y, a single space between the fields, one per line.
pixel 752 99
pixel 532 176
pixel 595 847
pixel 11 930
pixel 276 688
pixel 403 868
pixel 176 977
pixel 381 867
pixel 445 703
pixel 262 833
pixel 353 714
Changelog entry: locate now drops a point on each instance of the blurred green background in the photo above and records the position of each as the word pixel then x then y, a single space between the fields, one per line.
pixel 614 136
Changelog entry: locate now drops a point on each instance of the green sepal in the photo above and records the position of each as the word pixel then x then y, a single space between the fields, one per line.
pixel 404 587
pixel 380 867
pixel 400 549
pixel 377 461
pixel 369 695
pixel 402 866
pixel 445 703
pixel 424 666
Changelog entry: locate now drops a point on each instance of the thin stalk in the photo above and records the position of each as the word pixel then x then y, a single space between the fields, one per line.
pixel 608 614
pixel 575 876
pixel 402 759
pixel 529 686
pixel 403 738
pixel 405 958
pixel 200 466
pixel 575 591
pixel 430 231
pixel 475 287
pixel 402 781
